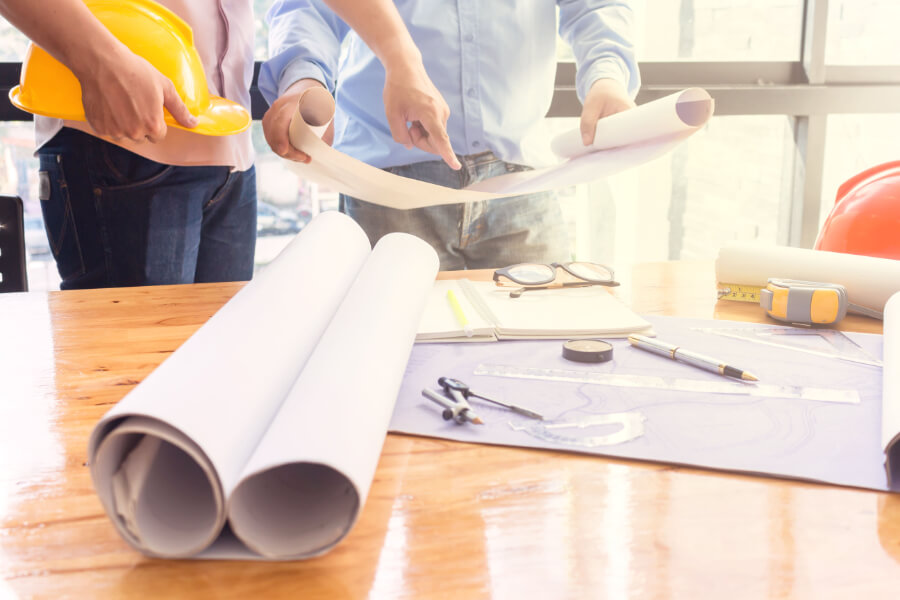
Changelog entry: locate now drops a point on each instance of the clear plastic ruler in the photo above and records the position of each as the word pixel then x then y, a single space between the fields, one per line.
pixel 798 338
pixel 743 388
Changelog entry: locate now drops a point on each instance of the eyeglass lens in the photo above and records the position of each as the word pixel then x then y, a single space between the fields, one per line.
pixel 532 273
pixel 590 271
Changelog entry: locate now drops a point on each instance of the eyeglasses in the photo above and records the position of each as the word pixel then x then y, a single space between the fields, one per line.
pixel 537 276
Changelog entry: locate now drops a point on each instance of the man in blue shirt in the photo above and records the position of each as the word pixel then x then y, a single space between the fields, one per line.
pixel 494 61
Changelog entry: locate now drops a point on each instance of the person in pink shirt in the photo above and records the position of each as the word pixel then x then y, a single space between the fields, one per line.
pixel 129 201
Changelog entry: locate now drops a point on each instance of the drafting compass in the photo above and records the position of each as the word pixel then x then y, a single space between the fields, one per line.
pixel 456 405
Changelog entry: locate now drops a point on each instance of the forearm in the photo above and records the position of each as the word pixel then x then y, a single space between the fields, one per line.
pixel 601 34
pixel 64 28
pixel 379 25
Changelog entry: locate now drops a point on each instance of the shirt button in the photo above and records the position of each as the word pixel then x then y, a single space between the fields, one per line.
pixel 476 144
pixel 470 37
pixel 471 92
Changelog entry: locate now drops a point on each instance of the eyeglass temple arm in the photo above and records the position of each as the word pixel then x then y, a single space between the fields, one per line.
pixel 519 291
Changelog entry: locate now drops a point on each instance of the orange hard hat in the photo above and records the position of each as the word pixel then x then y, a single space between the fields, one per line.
pixel 865 218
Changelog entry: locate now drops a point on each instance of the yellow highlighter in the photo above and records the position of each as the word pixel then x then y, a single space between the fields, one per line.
pixel 460 315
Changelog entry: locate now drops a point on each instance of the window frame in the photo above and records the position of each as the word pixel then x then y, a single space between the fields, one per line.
pixel 805 91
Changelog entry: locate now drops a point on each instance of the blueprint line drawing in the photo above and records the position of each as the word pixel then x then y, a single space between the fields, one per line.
pixel 687 416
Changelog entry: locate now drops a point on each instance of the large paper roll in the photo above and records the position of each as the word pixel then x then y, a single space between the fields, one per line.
pixel 890 390
pixel 869 281
pixel 285 393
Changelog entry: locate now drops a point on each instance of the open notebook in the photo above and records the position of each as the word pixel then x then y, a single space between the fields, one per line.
pixel 549 314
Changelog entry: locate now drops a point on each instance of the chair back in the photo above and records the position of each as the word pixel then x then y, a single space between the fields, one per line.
pixel 13 276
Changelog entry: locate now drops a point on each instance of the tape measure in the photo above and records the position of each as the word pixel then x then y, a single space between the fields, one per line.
pixel 742 293
pixel 806 302
pixel 796 301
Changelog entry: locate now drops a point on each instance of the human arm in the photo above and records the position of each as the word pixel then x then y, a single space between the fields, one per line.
pixel 409 95
pixel 123 94
pixel 304 43
pixel 600 33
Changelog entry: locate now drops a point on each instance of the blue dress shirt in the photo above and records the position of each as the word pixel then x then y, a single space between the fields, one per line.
pixel 494 61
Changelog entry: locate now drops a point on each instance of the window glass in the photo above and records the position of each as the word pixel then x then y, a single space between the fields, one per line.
pixel 12 43
pixel 286 201
pixel 262 28
pixel 719 30
pixel 18 177
pixel 863 32
pixel 724 184
pixel 853 144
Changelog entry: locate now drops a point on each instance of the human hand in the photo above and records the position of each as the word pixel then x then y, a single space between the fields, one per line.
pixel 277 121
pixel 124 96
pixel 606 97
pixel 416 112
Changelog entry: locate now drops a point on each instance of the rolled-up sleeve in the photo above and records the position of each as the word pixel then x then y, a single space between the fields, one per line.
pixel 304 43
pixel 601 34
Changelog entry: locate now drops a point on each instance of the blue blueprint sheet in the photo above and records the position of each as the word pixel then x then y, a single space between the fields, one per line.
pixel 809 417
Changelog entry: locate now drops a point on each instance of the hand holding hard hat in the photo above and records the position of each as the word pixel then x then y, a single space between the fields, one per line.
pixel 163 43
pixel 124 96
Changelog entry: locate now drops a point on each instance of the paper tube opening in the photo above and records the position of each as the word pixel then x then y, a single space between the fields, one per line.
pixel 293 510
pixel 161 496
pixel 694 113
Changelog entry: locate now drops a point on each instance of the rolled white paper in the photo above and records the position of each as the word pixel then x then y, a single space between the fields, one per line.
pixel 869 281
pixel 677 113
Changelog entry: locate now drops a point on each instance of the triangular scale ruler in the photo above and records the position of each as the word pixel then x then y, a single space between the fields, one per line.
pixel 838 345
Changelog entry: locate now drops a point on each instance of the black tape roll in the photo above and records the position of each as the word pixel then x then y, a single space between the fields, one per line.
pixel 587 351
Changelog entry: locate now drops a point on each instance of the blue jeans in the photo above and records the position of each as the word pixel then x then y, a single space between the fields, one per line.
pixel 475 235
pixel 114 218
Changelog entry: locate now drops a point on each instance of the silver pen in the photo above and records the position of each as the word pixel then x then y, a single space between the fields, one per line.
pixel 692 358
pixel 457 408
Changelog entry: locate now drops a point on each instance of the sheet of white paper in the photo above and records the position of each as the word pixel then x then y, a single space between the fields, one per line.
pixel 890 420
pixel 555 313
pixel 677 113
pixel 302 489
pixel 869 281
pixel 350 176
pixel 797 437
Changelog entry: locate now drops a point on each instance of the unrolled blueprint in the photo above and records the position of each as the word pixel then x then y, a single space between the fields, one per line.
pixel 808 417
pixel 624 140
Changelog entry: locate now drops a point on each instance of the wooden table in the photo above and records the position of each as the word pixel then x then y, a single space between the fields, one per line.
pixel 443 519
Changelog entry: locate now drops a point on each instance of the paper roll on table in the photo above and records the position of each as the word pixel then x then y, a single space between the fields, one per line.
pixel 271 416
pixel 869 281
pixel 890 391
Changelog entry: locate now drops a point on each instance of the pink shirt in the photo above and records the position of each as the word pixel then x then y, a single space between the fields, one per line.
pixel 223 36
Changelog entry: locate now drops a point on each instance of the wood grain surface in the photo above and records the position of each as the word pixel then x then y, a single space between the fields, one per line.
pixel 443 519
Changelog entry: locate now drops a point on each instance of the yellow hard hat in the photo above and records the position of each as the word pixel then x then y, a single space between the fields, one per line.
pixel 150 30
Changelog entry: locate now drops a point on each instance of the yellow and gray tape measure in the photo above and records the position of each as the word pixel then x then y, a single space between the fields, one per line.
pixel 742 293
pixel 795 301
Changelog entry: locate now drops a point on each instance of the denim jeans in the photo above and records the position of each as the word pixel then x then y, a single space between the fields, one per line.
pixel 114 218
pixel 475 235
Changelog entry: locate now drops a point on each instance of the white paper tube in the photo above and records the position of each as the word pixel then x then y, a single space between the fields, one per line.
pixel 890 391
pixel 869 281
pixel 673 114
